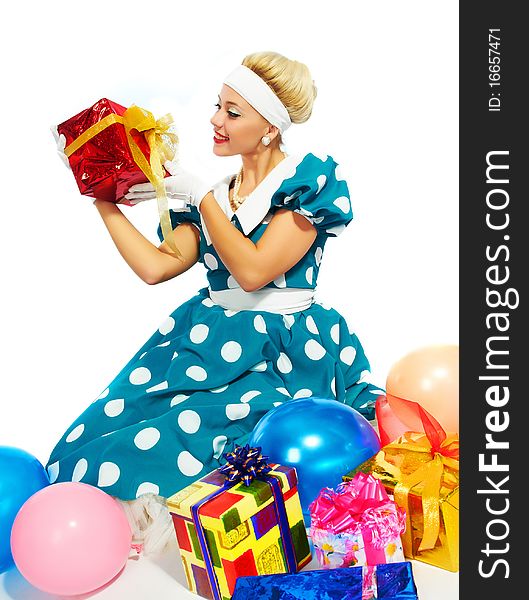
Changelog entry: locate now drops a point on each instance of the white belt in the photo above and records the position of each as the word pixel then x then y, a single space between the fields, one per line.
pixel 284 300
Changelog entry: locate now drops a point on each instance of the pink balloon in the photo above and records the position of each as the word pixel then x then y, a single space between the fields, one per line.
pixel 70 538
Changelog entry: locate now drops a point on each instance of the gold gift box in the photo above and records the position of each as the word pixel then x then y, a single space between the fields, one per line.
pixel 425 483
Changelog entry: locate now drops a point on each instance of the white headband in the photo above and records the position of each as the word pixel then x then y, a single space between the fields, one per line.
pixel 259 95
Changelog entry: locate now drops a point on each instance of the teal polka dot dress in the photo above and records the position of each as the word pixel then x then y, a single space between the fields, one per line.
pixel 201 382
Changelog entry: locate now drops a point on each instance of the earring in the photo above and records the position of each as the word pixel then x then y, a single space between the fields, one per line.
pixel 265 140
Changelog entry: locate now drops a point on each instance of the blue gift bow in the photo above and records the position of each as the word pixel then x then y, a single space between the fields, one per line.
pixel 259 474
pixel 244 464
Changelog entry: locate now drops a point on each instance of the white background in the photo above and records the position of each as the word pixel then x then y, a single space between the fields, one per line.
pixel 72 311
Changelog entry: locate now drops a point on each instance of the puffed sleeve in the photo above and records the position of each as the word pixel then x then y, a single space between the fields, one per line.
pixel 181 216
pixel 319 193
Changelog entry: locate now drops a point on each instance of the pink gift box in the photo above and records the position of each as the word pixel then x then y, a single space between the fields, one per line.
pixel 356 524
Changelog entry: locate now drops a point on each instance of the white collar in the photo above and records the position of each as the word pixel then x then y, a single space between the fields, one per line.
pixel 257 204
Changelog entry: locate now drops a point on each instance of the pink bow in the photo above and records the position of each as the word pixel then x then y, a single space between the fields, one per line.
pixel 360 506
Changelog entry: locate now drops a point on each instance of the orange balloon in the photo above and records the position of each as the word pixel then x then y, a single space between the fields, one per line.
pixel 430 377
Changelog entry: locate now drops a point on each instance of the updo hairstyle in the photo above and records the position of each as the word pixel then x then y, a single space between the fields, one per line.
pixel 290 80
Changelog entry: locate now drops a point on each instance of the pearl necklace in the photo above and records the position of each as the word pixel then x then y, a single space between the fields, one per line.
pixel 236 200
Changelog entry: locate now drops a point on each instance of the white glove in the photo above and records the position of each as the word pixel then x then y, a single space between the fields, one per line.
pixel 181 185
pixel 60 140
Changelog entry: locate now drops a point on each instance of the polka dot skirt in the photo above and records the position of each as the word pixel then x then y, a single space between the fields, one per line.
pixel 199 386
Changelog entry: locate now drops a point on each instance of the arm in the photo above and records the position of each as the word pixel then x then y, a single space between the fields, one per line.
pixel 285 241
pixel 152 264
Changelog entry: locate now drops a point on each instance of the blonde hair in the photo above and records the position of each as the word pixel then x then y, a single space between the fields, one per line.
pixel 290 80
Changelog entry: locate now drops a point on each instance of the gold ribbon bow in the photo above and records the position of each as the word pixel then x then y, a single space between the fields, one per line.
pixel 429 473
pixel 162 145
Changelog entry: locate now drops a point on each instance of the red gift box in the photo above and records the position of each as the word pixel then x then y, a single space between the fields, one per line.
pixel 104 162
pixel 110 148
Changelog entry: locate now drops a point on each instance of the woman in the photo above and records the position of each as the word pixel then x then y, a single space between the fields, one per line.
pixel 255 337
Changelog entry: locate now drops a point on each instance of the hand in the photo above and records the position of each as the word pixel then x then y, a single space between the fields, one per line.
pixel 181 185
pixel 60 140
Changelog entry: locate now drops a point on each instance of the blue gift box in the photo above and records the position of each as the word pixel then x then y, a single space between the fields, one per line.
pixel 394 581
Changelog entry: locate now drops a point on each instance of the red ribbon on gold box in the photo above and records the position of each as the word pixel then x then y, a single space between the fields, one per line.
pixel 421 471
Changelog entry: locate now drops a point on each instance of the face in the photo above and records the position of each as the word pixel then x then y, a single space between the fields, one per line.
pixel 238 127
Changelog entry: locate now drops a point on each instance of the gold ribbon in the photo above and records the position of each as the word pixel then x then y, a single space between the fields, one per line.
pixel 431 474
pixel 162 146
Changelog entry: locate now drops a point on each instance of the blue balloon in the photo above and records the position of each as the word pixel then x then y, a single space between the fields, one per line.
pixel 322 438
pixel 21 476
